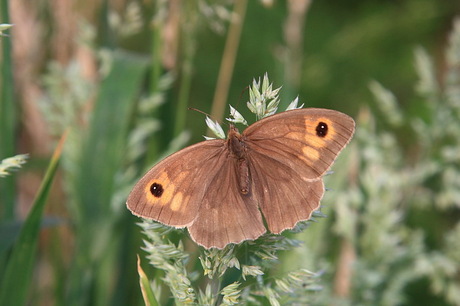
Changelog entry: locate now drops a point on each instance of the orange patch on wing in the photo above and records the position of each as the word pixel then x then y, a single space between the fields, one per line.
pixel 296 136
pixel 316 141
pixel 176 202
pixel 168 190
pixel 310 153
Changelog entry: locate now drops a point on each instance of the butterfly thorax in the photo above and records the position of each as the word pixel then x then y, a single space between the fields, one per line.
pixel 235 143
pixel 237 149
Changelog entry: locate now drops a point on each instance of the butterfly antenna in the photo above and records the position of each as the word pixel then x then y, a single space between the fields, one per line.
pixel 200 111
pixel 204 113
pixel 241 95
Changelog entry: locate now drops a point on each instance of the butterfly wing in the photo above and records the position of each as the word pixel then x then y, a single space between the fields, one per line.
pixel 288 154
pixel 226 216
pixel 193 188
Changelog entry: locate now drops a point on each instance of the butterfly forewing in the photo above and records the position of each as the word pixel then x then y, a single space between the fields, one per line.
pixel 172 191
pixel 292 138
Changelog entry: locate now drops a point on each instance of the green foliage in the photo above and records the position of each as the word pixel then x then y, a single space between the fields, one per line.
pixel 392 233
pixel 18 274
pixel 12 163
pixel 247 263
pixel 4 27
pixel 388 187
pixel 8 117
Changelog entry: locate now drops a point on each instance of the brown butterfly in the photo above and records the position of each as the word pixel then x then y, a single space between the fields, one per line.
pixel 224 190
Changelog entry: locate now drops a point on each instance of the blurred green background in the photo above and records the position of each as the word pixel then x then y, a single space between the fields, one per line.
pixel 119 76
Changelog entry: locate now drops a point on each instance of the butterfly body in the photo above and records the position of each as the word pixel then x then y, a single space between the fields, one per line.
pixel 237 148
pixel 220 189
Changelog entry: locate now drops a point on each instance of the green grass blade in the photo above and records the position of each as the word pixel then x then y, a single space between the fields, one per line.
pixel 19 269
pixel 147 293
pixel 8 118
pixel 102 157
pixel 8 125
pixel 103 151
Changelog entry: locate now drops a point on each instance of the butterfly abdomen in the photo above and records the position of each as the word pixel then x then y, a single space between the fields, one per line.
pixel 244 179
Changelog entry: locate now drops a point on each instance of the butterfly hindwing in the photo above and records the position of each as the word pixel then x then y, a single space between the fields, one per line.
pixel 226 216
pixel 284 197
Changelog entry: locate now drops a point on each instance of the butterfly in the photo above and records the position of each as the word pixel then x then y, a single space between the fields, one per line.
pixel 230 190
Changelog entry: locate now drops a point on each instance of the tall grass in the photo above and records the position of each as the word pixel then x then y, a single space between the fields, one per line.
pixel 391 233
pixel 8 118
pixel 19 269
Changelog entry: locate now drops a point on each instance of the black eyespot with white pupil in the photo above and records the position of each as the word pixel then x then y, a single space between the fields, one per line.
pixel 156 190
pixel 321 129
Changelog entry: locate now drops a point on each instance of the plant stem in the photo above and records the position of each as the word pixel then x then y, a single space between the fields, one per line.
pixel 342 286
pixel 8 119
pixel 228 60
